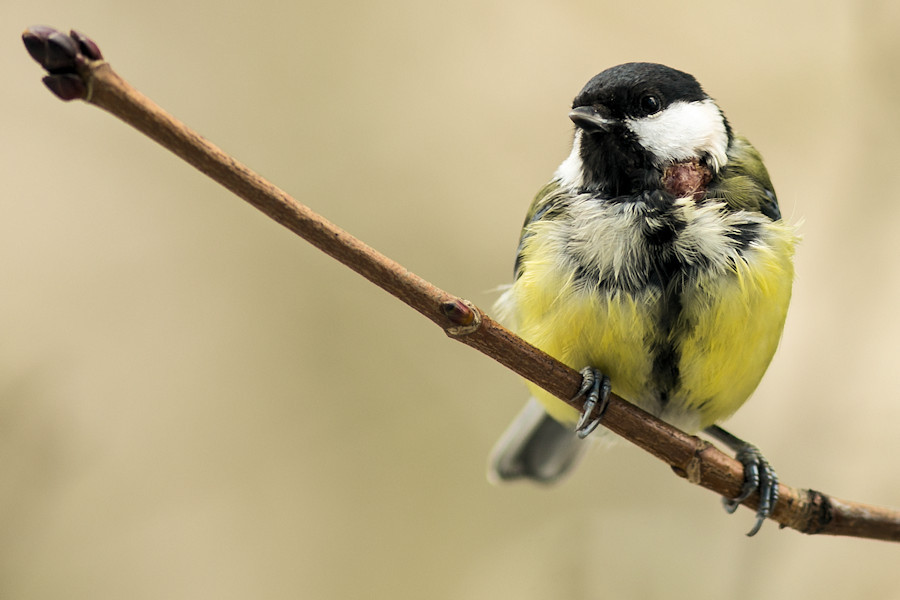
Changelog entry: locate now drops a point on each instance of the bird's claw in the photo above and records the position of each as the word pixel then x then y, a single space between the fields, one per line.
pixel 758 476
pixel 595 388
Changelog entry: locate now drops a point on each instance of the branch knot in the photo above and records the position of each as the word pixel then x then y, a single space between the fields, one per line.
pixel 464 315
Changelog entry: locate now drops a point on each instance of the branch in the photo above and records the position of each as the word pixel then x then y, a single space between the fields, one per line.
pixel 76 70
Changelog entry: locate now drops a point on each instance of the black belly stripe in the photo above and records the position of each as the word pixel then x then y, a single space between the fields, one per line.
pixel 665 349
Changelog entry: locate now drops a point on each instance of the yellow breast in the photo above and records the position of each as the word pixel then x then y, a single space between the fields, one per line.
pixel 729 323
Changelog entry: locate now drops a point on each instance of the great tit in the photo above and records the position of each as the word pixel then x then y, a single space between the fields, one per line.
pixel 657 262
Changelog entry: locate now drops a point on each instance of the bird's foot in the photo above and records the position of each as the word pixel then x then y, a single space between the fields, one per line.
pixel 758 476
pixel 595 388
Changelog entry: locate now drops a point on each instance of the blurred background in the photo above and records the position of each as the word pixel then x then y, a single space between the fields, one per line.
pixel 194 403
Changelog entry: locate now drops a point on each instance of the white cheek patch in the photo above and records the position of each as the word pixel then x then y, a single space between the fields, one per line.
pixel 683 131
pixel 570 171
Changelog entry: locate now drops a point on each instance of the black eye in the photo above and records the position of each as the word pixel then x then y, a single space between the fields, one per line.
pixel 650 104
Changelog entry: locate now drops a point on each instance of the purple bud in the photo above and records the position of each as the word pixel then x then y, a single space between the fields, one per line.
pixel 86 45
pixel 61 52
pixel 66 86
pixel 35 39
pixel 54 50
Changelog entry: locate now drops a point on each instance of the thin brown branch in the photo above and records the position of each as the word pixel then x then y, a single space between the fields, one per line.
pixel 76 70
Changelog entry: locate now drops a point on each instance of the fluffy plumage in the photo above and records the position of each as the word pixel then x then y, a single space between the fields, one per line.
pixel 676 289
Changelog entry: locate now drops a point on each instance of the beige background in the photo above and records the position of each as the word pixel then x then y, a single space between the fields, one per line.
pixel 178 373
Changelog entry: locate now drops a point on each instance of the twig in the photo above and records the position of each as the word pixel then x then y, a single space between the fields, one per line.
pixel 76 70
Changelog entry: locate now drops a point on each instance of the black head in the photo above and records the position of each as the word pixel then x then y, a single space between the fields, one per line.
pixel 635 119
pixel 638 89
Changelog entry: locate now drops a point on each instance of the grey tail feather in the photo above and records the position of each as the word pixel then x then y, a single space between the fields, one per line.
pixel 535 447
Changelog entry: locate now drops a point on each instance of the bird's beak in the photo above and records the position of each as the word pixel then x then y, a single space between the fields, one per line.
pixel 589 118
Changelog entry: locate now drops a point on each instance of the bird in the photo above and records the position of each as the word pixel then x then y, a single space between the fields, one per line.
pixel 656 261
